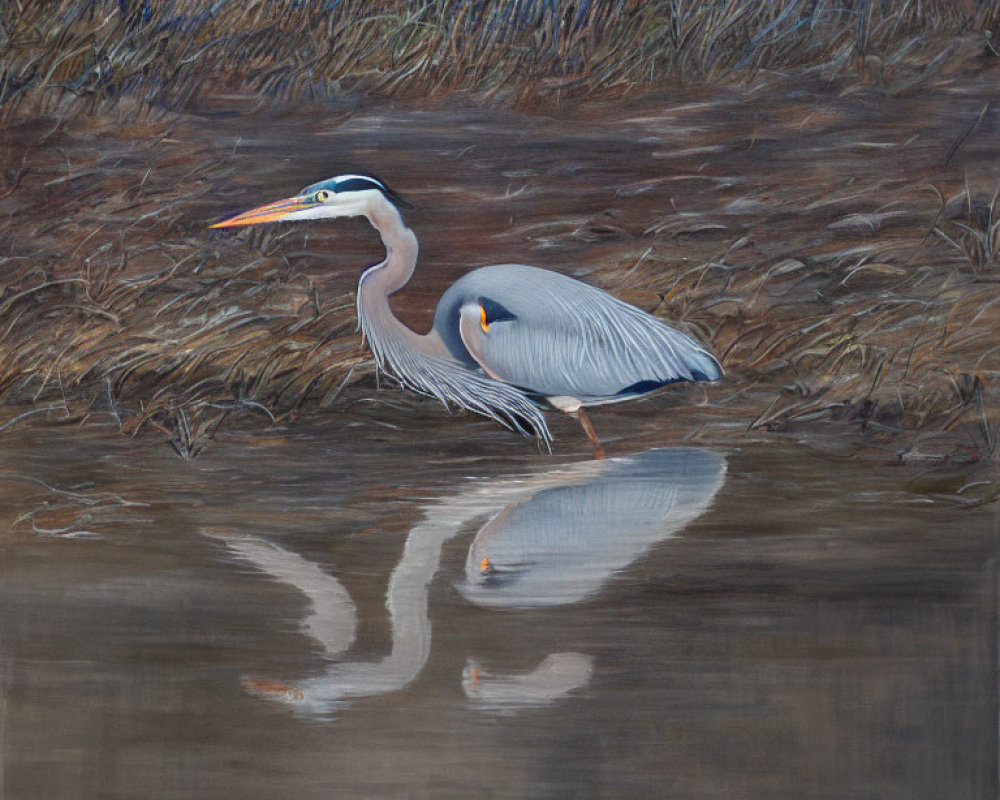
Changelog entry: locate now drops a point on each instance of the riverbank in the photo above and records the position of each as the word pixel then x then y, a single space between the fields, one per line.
pixel 834 241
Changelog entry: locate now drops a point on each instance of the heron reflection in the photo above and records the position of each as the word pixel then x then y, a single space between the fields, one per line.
pixel 550 538
pixel 566 541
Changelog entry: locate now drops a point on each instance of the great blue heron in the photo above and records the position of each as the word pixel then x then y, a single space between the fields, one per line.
pixel 506 339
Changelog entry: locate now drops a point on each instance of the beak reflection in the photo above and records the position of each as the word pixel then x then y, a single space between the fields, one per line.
pixel 552 538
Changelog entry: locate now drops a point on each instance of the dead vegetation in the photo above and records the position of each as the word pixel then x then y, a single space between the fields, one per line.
pixel 176 53
pixel 863 334
pixel 883 321
pixel 107 308
pixel 78 514
pixel 863 292
pixel 977 237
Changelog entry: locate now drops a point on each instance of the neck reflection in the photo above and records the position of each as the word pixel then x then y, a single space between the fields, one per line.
pixel 551 538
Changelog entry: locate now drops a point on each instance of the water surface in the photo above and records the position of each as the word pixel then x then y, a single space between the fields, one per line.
pixel 380 600
pixel 765 621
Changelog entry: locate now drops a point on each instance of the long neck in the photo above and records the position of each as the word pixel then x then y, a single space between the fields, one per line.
pixel 424 363
pixel 381 328
pixel 401 250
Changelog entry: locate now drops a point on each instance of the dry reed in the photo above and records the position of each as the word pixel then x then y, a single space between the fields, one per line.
pixel 114 302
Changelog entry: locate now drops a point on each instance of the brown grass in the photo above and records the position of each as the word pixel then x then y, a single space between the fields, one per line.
pixel 835 286
pixel 176 53
pixel 104 303
pixel 876 307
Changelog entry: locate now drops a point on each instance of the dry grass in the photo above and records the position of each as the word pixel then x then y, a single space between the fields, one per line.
pixel 863 334
pixel 67 514
pixel 106 305
pixel 978 236
pixel 835 294
pixel 842 305
pixel 175 53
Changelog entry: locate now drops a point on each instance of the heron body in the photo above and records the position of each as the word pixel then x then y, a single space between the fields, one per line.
pixel 507 340
pixel 556 336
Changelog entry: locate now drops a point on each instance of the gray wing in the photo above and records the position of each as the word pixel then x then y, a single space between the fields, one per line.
pixel 559 336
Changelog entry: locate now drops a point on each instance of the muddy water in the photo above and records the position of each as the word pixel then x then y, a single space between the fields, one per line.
pixel 384 601
pixel 298 616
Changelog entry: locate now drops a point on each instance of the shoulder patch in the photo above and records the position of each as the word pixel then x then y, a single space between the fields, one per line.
pixel 494 311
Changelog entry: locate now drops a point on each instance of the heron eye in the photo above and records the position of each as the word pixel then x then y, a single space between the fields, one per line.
pixel 323 195
pixel 482 319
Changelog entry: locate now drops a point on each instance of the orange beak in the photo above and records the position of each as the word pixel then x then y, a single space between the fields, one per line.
pixel 272 212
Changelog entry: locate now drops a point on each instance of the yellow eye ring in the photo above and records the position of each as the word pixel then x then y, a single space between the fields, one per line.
pixel 323 195
pixel 482 319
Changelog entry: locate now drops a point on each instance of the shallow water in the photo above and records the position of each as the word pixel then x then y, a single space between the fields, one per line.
pixel 762 621
pixel 384 601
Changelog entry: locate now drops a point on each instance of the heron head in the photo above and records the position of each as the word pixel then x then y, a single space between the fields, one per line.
pixel 343 196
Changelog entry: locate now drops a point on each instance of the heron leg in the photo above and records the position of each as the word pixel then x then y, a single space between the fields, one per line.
pixel 588 428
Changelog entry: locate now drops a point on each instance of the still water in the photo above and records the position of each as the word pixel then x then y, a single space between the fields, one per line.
pixel 382 601
pixel 345 610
